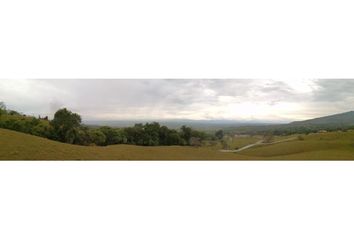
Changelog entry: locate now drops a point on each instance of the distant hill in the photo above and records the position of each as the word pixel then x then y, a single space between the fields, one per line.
pixel 204 125
pixel 340 121
pixel 344 119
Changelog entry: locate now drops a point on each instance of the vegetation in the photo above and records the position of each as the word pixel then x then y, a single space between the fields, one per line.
pixel 319 146
pixel 333 123
pixel 66 127
pixel 59 139
pixel 219 134
pixel 268 138
pixel 13 120
pixel 2 108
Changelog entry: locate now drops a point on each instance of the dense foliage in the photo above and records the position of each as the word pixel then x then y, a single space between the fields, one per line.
pixel 15 121
pixel 66 127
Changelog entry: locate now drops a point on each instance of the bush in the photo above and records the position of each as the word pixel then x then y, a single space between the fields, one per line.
pixel 300 138
pixel 97 137
pixel 219 134
pixel 268 138
pixel 82 136
pixel 113 136
pixel 225 145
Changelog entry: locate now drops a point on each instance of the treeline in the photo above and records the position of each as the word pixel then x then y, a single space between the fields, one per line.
pixel 67 127
pixel 13 120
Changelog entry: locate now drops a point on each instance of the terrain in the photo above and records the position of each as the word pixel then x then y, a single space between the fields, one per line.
pixel 341 121
pixel 317 146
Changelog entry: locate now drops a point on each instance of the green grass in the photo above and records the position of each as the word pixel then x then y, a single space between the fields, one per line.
pixel 16 145
pixel 239 142
pixel 324 146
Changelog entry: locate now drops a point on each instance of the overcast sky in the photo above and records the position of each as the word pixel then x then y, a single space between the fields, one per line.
pixel 275 100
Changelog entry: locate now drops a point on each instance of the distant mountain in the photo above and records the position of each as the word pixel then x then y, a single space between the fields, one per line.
pixel 334 122
pixel 344 119
pixel 177 123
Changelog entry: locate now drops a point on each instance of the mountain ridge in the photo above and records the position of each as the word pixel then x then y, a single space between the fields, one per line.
pixel 343 118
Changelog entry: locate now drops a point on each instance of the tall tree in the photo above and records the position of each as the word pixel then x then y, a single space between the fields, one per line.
pixel 2 108
pixel 219 134
pixel 64 124
pixel 186 133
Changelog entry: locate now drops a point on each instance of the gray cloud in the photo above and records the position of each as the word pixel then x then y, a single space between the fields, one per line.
pixel 174 98
pixel 334 90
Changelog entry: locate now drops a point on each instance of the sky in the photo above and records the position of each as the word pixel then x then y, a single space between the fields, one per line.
pixel 278 100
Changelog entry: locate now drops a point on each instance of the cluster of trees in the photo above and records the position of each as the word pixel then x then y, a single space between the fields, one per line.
pixel 67 127
pixel 13 120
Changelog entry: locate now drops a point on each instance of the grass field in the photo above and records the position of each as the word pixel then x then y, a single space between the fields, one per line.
pixel 321 146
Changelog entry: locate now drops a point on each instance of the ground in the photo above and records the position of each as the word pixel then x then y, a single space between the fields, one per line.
pixel 321 146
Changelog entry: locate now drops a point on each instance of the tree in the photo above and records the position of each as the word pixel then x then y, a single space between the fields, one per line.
pixel 186 133
pixel 164 133
pixel 97 137
pixel 2 108
pixel 71 135
pixel 151 135
pixel 219 134
pixel 82 136
pixel 174 138
pixel 113 136
pixel 268 138
pixel 64 124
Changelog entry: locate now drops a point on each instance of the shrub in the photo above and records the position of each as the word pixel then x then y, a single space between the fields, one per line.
pixel 97 137
pixel 300 138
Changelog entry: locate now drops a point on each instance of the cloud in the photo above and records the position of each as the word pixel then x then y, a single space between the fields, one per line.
pixel 334 90
pixel 175 98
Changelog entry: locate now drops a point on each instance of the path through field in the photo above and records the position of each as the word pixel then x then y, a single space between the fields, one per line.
pixel 260 142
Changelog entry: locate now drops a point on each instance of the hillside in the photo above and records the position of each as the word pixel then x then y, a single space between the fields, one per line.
pixel 325 146
pixel 17 146
pixel 342 119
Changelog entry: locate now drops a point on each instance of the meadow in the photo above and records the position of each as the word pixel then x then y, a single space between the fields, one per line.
pixel 318 146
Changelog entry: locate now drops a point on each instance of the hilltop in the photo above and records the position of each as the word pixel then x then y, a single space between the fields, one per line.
pixel 342 121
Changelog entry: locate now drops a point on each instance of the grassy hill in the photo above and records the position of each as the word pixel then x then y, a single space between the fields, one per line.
pixel 326 146
pixel 15 145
